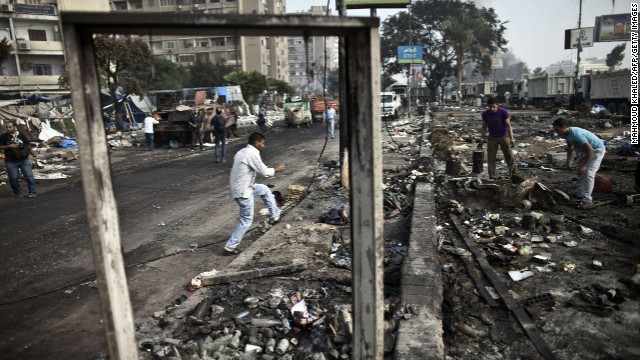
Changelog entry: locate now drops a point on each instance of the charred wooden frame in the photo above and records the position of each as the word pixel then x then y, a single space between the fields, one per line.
pixel 362 86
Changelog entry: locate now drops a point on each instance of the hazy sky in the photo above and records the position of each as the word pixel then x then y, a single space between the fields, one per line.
pixel 535 30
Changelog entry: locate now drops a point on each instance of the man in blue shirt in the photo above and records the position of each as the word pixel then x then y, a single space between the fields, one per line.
pixel 590 151
pixel 497 121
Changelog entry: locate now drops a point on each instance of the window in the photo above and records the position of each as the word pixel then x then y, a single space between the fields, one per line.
pixel 202 42
pixel 214 1
pixel 186 58
pixel 217 41
pixel 156 45
pixel 167 2
pixel 42 69
pixel 202 57
pixel 152 3
pixel 37 35
pixel 194 2
pixel 120 5
pixel 169 44
pixel 183 2
pixel 137 4
pixel 32 2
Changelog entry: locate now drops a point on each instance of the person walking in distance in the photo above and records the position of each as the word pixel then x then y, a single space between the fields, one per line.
pixel 262 117
pixel 149 122
pixel 329 116
pixel 590 151
pixel 497 121
pixel 220 129
pixel 16 149
pixel 247 163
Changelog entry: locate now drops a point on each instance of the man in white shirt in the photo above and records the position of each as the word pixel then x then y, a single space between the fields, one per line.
pixel 149 121
pixel 246 164
pixel 329 116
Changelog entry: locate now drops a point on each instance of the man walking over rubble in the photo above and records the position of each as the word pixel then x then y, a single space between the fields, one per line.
pixel 17 148
pixel 246 165
pixel 590 151
pixel 497 121
pixel 149 121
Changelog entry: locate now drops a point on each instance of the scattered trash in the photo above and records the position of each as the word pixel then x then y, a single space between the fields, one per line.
pixel 518 275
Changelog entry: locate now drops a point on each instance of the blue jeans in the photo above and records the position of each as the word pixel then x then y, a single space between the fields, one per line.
pixel 584 185
pixel 330 128
pixel 13 171
pixel 221 144
pixel 149 138
pixel 246 213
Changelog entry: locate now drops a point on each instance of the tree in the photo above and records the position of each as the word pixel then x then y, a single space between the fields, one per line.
pixel 252 83
pixel 119 60
pixel 426 26
pixel 206 74
pixel 473 38
pixel 538 71
pixel 163 74
pixel 6 47
pixel 281 87
pixel 615 57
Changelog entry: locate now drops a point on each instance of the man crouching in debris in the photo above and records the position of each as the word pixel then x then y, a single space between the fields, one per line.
pixel 497 120
pixel 246 164
pixel 590 151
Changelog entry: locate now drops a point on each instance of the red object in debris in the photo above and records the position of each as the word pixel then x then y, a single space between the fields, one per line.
pixel 602 184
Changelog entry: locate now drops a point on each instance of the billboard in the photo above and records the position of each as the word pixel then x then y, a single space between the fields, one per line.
pixel 615 27
pixel 585 35
pixel 361 4
pixel 410 54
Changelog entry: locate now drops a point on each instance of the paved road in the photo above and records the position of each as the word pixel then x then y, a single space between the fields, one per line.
pixel 49 307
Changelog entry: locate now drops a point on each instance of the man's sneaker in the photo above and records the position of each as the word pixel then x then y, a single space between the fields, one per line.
pixel 274 220
pixel 33 195
pixel 585 206
pixel 230 251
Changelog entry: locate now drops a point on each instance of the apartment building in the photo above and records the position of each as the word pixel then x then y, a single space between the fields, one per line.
pixel 266 55
pixel 307 60
pixel 32 27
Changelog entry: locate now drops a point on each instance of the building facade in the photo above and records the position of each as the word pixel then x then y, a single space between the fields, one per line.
pixel 266 55
pixel 32 28
pixel 307 60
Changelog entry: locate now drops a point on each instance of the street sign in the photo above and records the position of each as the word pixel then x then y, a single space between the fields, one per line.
pixel 585 35
pixel 360 4
pixel 410 54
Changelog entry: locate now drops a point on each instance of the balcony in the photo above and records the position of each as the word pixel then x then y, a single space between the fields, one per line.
pixel 39 47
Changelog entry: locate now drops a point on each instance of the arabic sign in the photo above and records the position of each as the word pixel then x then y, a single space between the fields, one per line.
pixel 615 27
pixel 359 4
pixel 584 35
pixel 410 54
pixel 34 9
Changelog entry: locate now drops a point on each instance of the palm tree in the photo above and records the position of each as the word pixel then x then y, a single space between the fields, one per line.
pixel 467 34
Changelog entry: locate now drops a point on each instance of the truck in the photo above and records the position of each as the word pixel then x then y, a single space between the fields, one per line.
pixel 543 89
pixel 390 105
pixel 297 113
pixel 318 104
pixel 611 89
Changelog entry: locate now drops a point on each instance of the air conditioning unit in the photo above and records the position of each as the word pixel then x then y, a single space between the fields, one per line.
pixel 6 7
pixel 24 45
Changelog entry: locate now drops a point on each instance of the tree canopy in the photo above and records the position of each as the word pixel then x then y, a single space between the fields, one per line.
pixel 282 87
pixel 252 83
pixel 206 74
pixel 120 60
pixel 162 75
pixel 451 32
pixel 615 57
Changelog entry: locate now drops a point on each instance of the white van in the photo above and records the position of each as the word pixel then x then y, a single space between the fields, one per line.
pixel 390 104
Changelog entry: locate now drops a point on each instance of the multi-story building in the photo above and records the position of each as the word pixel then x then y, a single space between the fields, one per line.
pixel 307 60
pixel 266 55
pixel 568 67
pixel 32 27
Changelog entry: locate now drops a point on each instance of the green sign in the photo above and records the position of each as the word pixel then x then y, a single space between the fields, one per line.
pixel 359 4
